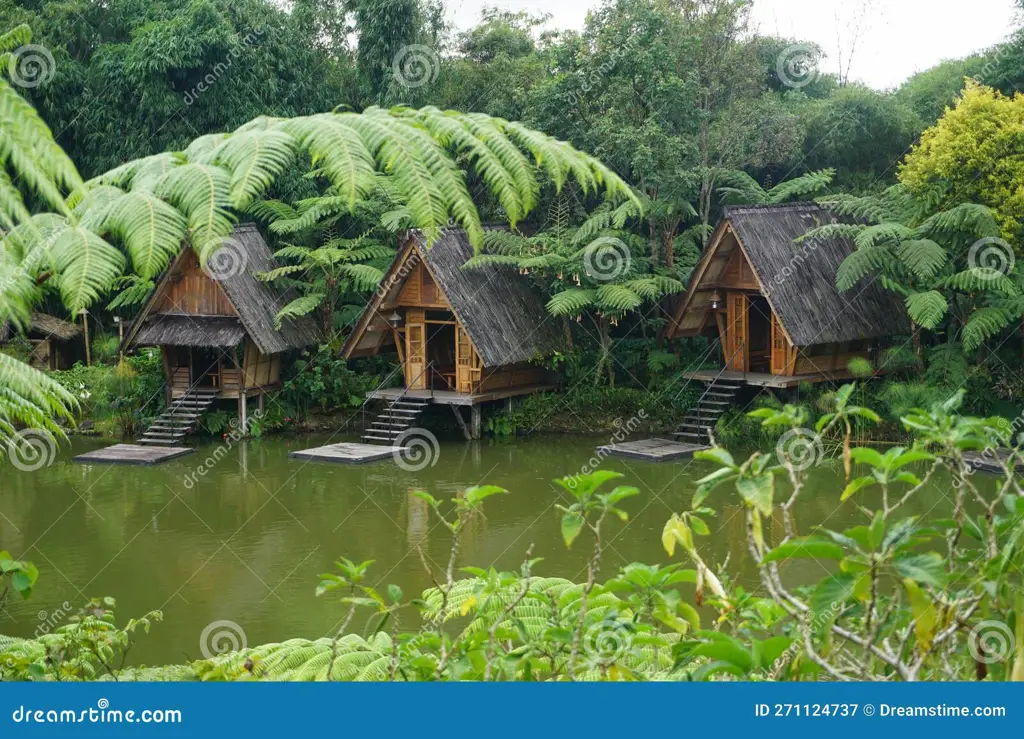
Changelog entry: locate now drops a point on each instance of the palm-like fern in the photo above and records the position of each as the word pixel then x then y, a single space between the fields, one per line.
pixel 928 260
pixel 739 188
pixel 589 271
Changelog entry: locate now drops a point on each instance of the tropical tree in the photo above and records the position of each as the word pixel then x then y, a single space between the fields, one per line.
pixel 738 187
pixel 34 166
pixel 949 266
pixel 332 256
pixel 972 155
pixel 598 271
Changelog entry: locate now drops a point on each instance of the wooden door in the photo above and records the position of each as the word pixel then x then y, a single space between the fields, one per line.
pixel 780 347
pixel 467 362
pixel 737 346
pixel 415 350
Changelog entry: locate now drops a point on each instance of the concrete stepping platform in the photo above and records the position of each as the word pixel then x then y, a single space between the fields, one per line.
pixel 133 454
pixel 652 450
pixel 988 460
pixel 348 453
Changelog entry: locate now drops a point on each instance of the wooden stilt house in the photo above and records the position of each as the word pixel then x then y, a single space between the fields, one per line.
pixel 773 301
pixel 215 328
pixel 463 336
pixel 55 343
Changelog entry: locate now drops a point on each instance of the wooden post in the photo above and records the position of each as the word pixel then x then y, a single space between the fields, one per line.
pixel 85 326
pixel 242 420
pixel 462 423
pixel 260 404
pixel 475 423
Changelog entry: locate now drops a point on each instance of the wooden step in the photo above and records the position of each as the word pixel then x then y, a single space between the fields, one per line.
pixel 372 438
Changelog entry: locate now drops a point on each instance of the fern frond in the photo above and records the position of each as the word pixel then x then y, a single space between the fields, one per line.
pixel 982 325
pixel 923 257
pixel 201 192
pixel 927 309
pixel 801 187
pixel 883 233
pixel 298 307
pixel 860 263
pixel 617 298
pixel 571 301
pixel 256 159
pixel 978 279
pixel 969 219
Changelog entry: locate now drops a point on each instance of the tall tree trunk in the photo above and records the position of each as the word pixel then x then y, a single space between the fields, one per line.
pixel 915 337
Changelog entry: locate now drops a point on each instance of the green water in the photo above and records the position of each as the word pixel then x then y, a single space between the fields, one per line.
pixel 246 540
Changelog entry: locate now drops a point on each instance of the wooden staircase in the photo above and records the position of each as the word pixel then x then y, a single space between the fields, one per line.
pixel 397 416
pixel 700 420
pixel 179 418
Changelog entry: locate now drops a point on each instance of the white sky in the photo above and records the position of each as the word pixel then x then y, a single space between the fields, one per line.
pixel 898 37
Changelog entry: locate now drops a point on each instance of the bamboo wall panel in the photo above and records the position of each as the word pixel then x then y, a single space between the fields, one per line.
pixel 192 291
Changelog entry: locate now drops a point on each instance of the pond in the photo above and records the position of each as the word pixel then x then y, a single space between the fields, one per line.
pixel 245 541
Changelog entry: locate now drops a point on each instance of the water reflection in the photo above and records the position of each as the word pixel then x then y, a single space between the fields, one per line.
pixel 246 540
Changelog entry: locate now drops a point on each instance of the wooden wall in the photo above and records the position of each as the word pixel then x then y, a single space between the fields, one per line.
pixel 260 370
pixel 190 290
pixel 419 290
pixel 513 375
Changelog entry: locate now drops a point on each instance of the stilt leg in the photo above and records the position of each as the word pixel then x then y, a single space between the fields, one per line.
pixel 476 421
pixel 243 421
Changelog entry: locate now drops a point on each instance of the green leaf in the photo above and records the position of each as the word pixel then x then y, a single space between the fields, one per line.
pixel 479 493
pixel 758 491
pixel 856 484
pixel 927 568
pixel 837 588
pixel 719 455
pixel 808 548
pixel 572 524
pixel 865 455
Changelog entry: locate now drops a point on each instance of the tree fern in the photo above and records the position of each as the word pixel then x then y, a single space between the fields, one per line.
pixel 923 257
pixel 860 263
pixel 927 309
pixel 983 324
pixel 978 279
pixel 571 301
pixel 883 233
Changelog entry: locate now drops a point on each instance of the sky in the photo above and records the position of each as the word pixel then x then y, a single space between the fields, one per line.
pixel 897 37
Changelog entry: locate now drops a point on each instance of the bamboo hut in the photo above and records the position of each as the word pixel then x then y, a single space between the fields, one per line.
pixel 772 300
pixel 54 343
pixel 216 327
pixel 463 336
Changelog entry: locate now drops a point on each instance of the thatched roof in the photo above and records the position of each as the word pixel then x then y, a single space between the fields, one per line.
pixel 257 304
pixel 186 330
pixel 44 325
pixel 504 315
pixel 798 279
